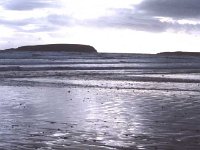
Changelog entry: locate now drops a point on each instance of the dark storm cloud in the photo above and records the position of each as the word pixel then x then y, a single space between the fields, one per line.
pixel 170 8
pixel 145 16
pixel 22 5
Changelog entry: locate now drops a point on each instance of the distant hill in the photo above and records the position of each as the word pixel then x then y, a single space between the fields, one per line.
pixel 57 48
pixel 179 53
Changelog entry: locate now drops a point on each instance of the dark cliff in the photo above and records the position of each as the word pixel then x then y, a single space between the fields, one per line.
pixel 57 47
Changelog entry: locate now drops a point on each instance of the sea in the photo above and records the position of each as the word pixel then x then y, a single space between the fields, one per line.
pixel 97 101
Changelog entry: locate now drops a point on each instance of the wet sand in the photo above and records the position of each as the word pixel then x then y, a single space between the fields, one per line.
pixel 99 101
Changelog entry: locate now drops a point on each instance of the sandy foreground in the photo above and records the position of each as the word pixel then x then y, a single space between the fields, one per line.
pixel 58 100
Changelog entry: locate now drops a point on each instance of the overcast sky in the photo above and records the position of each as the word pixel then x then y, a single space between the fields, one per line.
pixel 134 26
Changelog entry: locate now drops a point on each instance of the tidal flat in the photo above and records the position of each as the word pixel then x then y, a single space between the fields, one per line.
pixel 60 100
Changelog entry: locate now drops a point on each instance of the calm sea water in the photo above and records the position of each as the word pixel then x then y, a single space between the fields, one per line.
pixel 104 101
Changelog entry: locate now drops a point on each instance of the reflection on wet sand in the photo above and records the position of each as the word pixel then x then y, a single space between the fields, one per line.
pixel 99 101
pixel 97 118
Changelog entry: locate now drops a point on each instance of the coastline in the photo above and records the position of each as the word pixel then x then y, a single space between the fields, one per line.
pixel 64 100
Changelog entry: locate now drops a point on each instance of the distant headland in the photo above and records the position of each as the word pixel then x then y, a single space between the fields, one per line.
pixel 56 48
pixel 179 53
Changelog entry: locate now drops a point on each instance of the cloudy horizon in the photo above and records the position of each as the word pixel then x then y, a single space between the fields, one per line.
pixel 129 26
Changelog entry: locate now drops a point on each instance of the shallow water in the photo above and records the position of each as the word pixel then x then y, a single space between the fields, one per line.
pixel 140 108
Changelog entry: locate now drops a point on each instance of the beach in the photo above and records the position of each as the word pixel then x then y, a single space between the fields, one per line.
pixel 65 100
